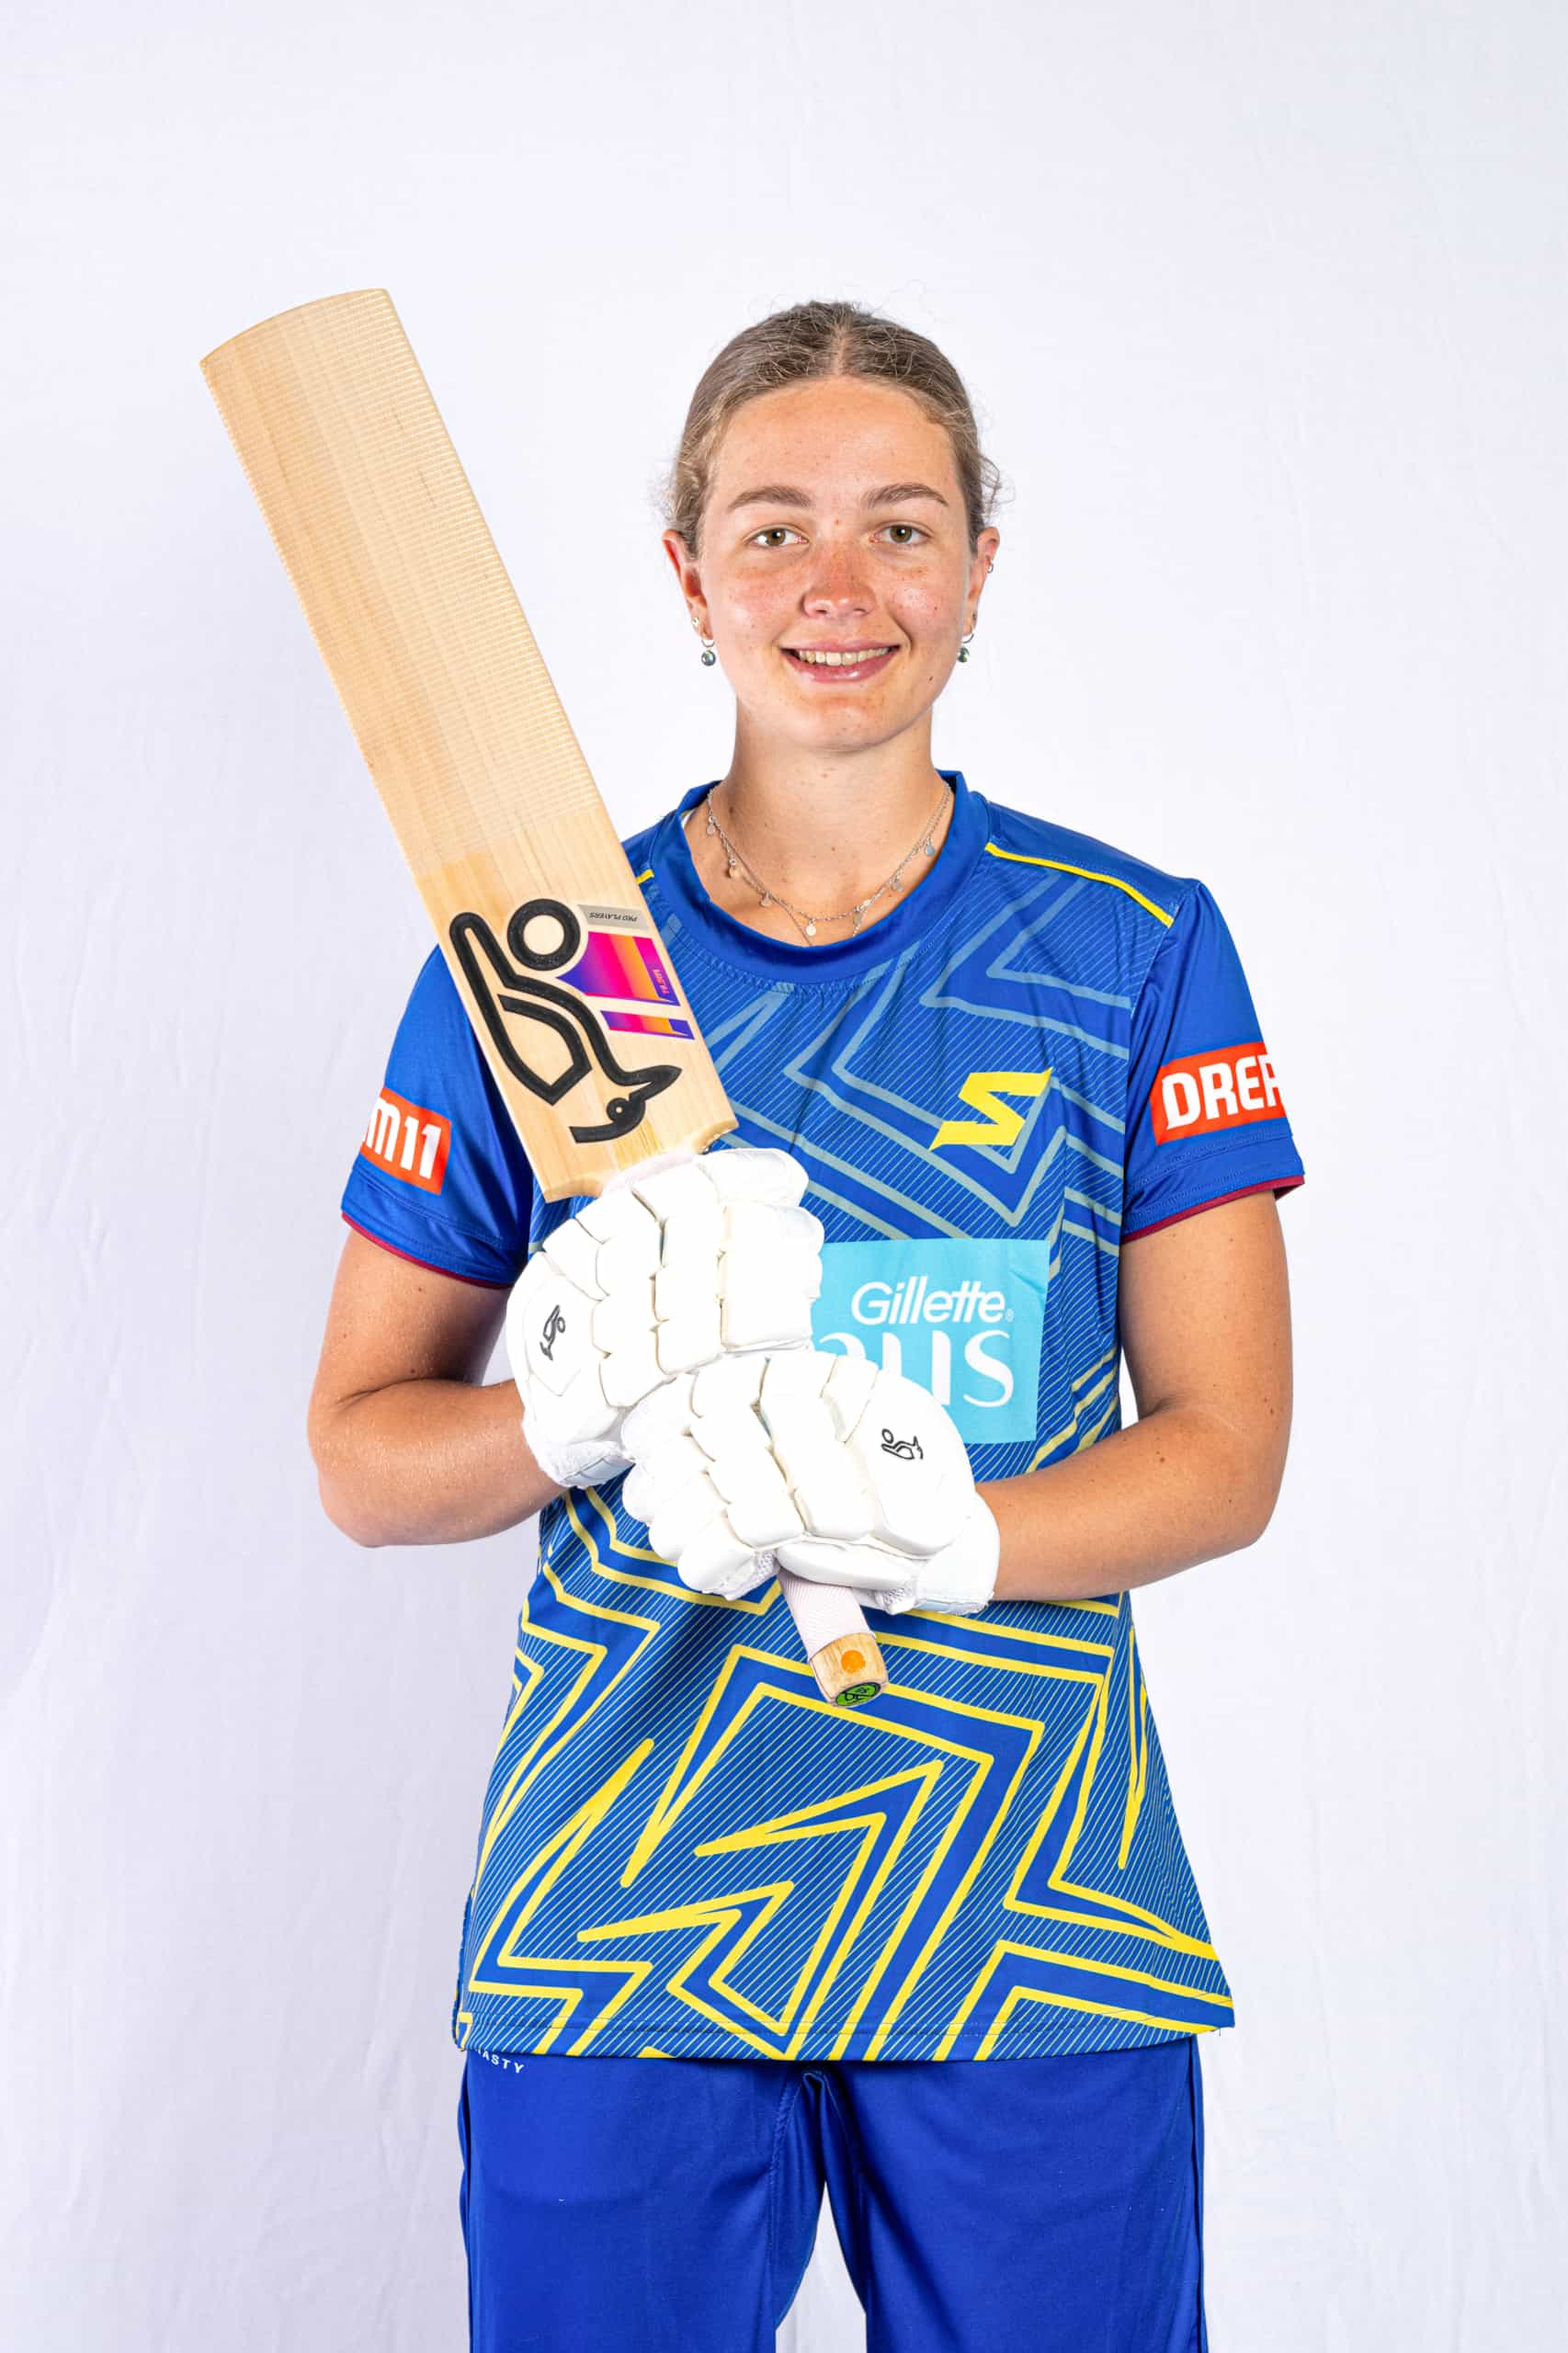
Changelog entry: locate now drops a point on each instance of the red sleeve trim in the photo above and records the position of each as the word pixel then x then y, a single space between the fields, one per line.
pixel 1274 1185
pixel 478 1281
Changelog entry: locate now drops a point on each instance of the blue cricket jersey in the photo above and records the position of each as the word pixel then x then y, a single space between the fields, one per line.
pixel 1047 1048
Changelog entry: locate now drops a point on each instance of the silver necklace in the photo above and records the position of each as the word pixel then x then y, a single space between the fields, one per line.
pixel 809 925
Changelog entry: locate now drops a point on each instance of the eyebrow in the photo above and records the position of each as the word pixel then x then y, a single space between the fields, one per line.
pixel 783 494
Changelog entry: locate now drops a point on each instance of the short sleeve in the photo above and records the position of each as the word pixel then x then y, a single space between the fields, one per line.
pixel 1205 1115
pixel 441 1176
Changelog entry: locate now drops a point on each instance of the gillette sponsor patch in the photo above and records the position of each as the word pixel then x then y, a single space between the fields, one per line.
pixel 964 1319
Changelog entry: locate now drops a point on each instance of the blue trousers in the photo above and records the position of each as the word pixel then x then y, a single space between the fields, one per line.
pixel 997 2206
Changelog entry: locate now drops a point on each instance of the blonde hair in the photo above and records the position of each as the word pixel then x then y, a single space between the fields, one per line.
pixel 823 339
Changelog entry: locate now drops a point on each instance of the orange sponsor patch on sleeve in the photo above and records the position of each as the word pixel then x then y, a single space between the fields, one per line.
pixel 404 1141
pixel 1201 1094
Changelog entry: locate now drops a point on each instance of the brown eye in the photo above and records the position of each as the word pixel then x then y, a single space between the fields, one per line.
pixel 773 533
pixel 914 528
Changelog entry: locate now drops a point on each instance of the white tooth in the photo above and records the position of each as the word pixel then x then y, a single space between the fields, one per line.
pixel 844 661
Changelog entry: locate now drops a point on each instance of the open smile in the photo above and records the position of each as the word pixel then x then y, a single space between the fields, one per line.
pixel 838 665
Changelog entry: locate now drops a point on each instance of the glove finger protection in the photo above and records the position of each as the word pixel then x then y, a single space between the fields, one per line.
pixel 817 1462
pixel 930 1541
pixel 704 1481
pixel 663 1272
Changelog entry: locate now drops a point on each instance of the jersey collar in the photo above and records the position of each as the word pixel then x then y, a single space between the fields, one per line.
pixel 736 943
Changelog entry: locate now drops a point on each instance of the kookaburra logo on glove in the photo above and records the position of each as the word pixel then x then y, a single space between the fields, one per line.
pixel 793 1461
pixel 554 1324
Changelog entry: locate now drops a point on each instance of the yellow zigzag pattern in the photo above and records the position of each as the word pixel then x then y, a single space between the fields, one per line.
pixel 946 1783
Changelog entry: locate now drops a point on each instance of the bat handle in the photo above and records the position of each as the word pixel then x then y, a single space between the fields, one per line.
pixel 834 1634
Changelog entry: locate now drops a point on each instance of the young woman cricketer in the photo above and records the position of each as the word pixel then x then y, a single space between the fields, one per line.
pixel 945 1958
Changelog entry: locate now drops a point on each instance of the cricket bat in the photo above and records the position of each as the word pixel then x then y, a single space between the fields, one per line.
pixel 572 993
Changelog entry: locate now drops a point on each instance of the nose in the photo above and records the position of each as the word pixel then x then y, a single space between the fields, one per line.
pixel 838 582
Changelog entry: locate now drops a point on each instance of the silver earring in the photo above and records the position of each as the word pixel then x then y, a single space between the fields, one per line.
pixel 708 656
pixel 964 646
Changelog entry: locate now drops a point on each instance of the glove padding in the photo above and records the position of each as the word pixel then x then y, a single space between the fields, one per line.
pixel 662 1273
pixel 816 1462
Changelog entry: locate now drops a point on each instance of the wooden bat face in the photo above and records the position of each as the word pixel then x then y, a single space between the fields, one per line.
pixel 572 994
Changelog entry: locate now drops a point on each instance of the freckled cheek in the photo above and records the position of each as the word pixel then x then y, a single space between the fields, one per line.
pixel 756 614
pixel 925 619
pixel 754 624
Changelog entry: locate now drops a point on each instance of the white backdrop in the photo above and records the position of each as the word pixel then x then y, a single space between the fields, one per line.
pixel 1264 311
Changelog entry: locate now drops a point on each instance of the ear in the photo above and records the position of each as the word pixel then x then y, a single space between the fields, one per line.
pixel 685 565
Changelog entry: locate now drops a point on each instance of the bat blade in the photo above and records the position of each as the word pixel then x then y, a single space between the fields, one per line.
pixel 571 997
pixel 575 1002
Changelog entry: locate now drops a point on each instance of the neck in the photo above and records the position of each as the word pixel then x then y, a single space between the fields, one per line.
pixel 821 831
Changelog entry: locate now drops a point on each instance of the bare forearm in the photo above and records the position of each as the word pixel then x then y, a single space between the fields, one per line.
pixel 1177 1487
pixel 430 1462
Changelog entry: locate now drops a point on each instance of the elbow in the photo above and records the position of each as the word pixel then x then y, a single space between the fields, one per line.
pixel 343 1511
pixel 1258 1508
pixel 338 1495
pixel 1250 1530
pixel 1242 1495
pixel 348 1523
pixel 1247 1473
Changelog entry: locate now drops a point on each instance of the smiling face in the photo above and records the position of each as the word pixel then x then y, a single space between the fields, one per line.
pixel 834 526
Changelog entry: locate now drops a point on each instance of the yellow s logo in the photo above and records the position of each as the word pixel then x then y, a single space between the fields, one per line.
pixel 981 1090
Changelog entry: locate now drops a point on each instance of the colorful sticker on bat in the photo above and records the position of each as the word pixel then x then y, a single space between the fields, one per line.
pixel 654 1025
pixel 613 965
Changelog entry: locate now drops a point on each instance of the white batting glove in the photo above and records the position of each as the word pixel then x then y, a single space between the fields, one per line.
pixel 661 1274
pixel 817 1462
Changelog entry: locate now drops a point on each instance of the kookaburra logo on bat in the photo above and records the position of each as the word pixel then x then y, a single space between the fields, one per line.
pixel 510 992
